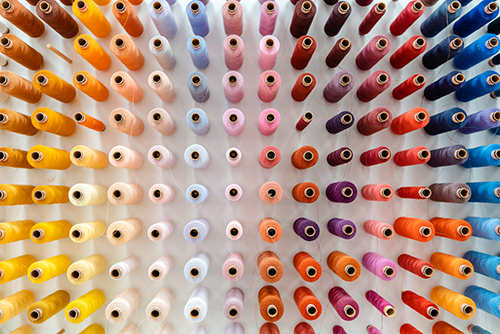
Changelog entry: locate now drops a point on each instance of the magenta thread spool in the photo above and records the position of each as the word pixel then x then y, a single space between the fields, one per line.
pixel 343 303
pixel 269 120
pixel 378 265
pixel 382 305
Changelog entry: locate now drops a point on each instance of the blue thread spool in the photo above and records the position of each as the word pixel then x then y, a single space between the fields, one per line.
pixel 477 17
pixel 197 15
pixel 448 156
pixel 448 120
pixel 196 156
pixel 197 193
pixel 163 18
pixel 485 300
pixel 486 228
pixel 475 329
pixel 161 50
pixel 444 15
pixel 448 48
pixel 485 192
pixel 198 121
pixel 444 86
pixel 197 48
pixel 340 122
pixel 465 2
pixel 483 48
pixel 484 264
pixel 483 156
pixel 478 86
pixel 197 84
pixel 482 120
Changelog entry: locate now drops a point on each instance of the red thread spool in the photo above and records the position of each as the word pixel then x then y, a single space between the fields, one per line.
pixel 303 328
pixel 305 157
pixel 407 17
pixel 377 192
pixel 270 303
pixel 373 86
pixel 410 121
pixel 340 49
pixel 375 156
pixel 306 192
pixel 455 229
pixel 304 121
pixel 421 305
pixel 307 267
pixel 408 329
pixel 413 156
pixel 269 157
pixel 270 230
pixel 309 306
pixel 269 328
pixel 303 52
pixel 416 229
pixel 371 19
pixel 408 87
pixel 408 52
pixel 376 120
pixel 303 87
pixel 442 327
pixel 414 192
pixel 416 266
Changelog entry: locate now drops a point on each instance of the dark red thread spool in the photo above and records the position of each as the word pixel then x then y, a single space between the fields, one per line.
pixel 304 121
pixel 376 120
pixel 303 16
pixel 410 121
pixel 338 52
pixel 373 86
pixel 409 86
pixel 376 49
pixel 407 17
pixel 303 328
pixel 414 192
pixel 375 156
pixel 416 266
pixel 303 87
pixel 303 52
pixel 371 19
pixel 410 50
pixel 269 328
pixel 413 156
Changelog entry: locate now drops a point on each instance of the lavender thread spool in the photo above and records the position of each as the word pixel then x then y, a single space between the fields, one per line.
pixel 341 192
pixel 342 228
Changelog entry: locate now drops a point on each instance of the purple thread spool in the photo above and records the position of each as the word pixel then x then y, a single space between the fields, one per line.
pixel 382 305
pixel 339 157
pixel 338 16
pixel 448 156
pixel 341 192
pixel 341 84
pixel 340 122
pixel 482 120
pixel 338 330
pixel 450 192
pixel 380 266
pixel 342 228
pixel 306 229
pixel 343 303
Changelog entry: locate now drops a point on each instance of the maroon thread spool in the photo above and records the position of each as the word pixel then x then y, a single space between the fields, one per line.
pixel 376 120
pixel 371 19
pixel 375 156
pixel 304 121
pixel 338 52
pixel 303 87
pixel 303 52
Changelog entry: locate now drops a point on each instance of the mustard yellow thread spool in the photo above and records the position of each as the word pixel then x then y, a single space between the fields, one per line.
pixel 93 329
pixel 12 157
pixel 15 194
pixel 22 330
pixel 45 232
pixel 80 309
pixel 82 271
pixel 84 156
pixel 15 304
pixel 47 307
pixel 47 269
pixel 87 231
pixel 51 121
pixel 16 122
pixel 92 17
pixel 89 85
pixel 15 268
pixel 40 156
pixel 44 195
pixel 15 231
pixel 51 85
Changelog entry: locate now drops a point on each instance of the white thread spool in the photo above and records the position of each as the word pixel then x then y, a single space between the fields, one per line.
pixel 121 193
pixel 159 269
pixel 233 156
pixel 162 157
pixel 196 269
pixel 85 194
pixel 124 157
pixel 157 310
pixel 196 230
pixel 197 193
pixel 197 156
pixel 162 86
pixel 162 122
pixel 159 231
pixel 122 306
pixel 121 269
pixel 234 230
pixel 197 306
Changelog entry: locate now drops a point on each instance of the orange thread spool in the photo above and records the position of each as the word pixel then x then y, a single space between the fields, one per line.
pixel 21 17
pixel 11 157
pixel 455 229
pixel 270 267
pixel 411 120
pixel 123 120
pixel 14 48
pixel 442 327
pixel 452 265
pixel 88 84
pixel 270 304
pixel 48 120
pixel 127 52
pixel 270 230
pixel 344 266
pixel 18 87
pixel 416 229
pixel 136 2
pixel 89 122
pixel 307 267
pixel 87 47
pixel 306 192
pixel 269 328
pixel 305 157
pixel 16 122
pixel 92 17
pixel 126 87
pixel 303 328
pixel 414 156
pixel 127 17
pixel 309 306
pixel 51 85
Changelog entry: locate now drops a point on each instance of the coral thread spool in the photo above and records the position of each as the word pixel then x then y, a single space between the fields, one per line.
pixel 270 230
pixel 376 120
pixel 270 267
pixel 407 17
pixel 309 306
pixel 304 121
pixel 307 267
pixel 306 192
pixel 303 87
pixel 416 229
pixel 51 85
pixel 408 87
pixel 305 157
pixel 452 265
pixel 124 121
pixel 269 85
pixel 377 192
pixel 344 266
pixel 416 266
pixel 408 52
pixel 378 229
pixel 271 193
pixel 88 84
pixel 411 120
pixel 373 86
pixel 413 156
pixel 123 83
pixel 269 157
pixel 303 52
pixel 375 156
pixel 372 18
pixel 270 303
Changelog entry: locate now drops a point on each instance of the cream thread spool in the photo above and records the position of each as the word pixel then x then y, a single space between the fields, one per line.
pixel 158 309
pixel 85 194
pixel 87 231
pixel 121 269
pixel 122 306
pixel 160 268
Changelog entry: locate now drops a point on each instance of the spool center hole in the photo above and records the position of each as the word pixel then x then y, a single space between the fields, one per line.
pixel 233 313
pixel 37 234
pixel 310 231
pixel 271 232
pixel 115 314
pixel 195 155
pixel 310 192
pixel 75 274
pixel 155 234
pixel 387 192
pixel 155 273
pixel 194 313
pixel 195 194
pixel 35 315
pixel 233 154
pixel 233 192
pixel 272 272
pixel 117 156
pixel 195 43
pixel 117 194
pixel 118 118
pixel 155 313
pixel 426 192
pixel 76 234
pixel 195 118
pixel 232 79
pixel 38 194
pixel 272 311
pixel 194 272
pixel 233 118
pixel 117 234
pixel 77 194
pixel 234 232
pixel 78 155
pixel 157 193
pixel 156 155
pixel 271 193
pixel 233 271
pixel 115 273
pixel 270 79
pixel 311 272
pixel 194 233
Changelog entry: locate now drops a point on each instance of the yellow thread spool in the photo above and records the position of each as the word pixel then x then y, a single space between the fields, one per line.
pixel 51 85
pixel 93 329
pixel 15 304
pixel 87 231
pixel 47 269
pixel 85 269
pixel 16 122
pixel 40 156
pixel 49 306
pixel 92 17
pixel 44 195
pixel 22 330
pixel 84 156
pixel 15 194
pixel 46 232
pixel 80 309
pixel 88 84
pixel 87 47
pixel 11 157
pixel 15 268
pixel 15 231
pixel 48 120
pixel 453 302
pixel 84 194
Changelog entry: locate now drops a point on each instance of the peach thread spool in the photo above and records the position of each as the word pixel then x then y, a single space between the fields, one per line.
pixel 88 84
pixel 161 193
pixel 162 122
pixel 16 122
pixel 124 121
pixel 92 17
pixel 18 87
pixel 14 48
pixel 51 85
pixel 127 52
pixel 123 231
pixel 126 87
pixel 11 157
pixel 270 230
pixel 270 267
pixel 89 122
pixel 87 47
pixel 162 157
pixel 162 86
pixel 271 193
pixel 51 121
pixel 84 156
pixel 124 157
pixel 40 156
pixel 160 268
pixel 121 193
pixel 126 15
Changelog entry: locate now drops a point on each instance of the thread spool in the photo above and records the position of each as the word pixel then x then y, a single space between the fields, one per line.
pixel 92 17
pixel 482 84
pixel 18 87
pixel 454 229
pixel 87 47
pixel 197 49
pixel 126 15
pixel 375 121
pixel 15 304
pixel 484 264
pixel 197 193
pixel 45 195
pixel 450 192
pixel 414 156
pixel 304 85
pixel 270 267
pixel 234 122
pixel 121 193
pixel 270 193
pixel 269 120
pixel 233 156
pixel 232 16
pixel 339 86
pixel 384 268
pixel 51 121
pixel 378 229
pixel 453 302
pixel 483 48
pixel 408 87
pixel 11 194
pixel 162 51
pixel 339 157
pixel 416 266
pixel 15 158
pixel 309 306
pixel 444 327
pixel 305 157
pixel 382 305
pixel 159 307
pixel 160 268
pixel 303 327
pixel 341 192
pixel 338 16
pixel 304 121
pixel 51 85
pixel 486 300
pixel 344 266
pixel 129 329
pixel 233 192
pixel 270 304
pixel 22 18
pixel 270 230
pixel 484 192
pixel 233 84
pixel 475 18
pixel 269 328
pixel 451 265
pixel 122 231
pixel 411 120
pixel 49 306
pixel 80 309
pixel 338 330
pixel 196 230
pixel 163 18
pixel 268 16
pixel 377 192
pixel 196 269
pixel 342 228
pixel 46 232
pixel 451 119
pixel 121 269
pixel 486 228
pixel 161 193
pixel 445 86
pixel 197 305
pixel 407 17
pixel 233 267
pixel 269 85
pixel 123 83
pixel 372 18
pixel 87 157
pixel 197 84
pixel 419 304
pixel 89 122
pixel 308 268
pixel 340 122
pixel 373 86
pixel 302 18
pixel 408 52
pixel 42 271
pixel 345 306
pixel 373 52
pixel 338 52
pixel 234 230
pixel 16 122
pixel 482 120
pixel 234 305
pixel 269 157
pixel 15 231
pixel 15 268
pixel 124 157
pixel 303 52
pixel 87 231
pixel 444 51
pixel 162 86
pixel 198 121
pixel 483 156
pixel 196 156
pixel 84 270
pixel 307 229
pixel 375 156
pixel 444 15
pixel 475 329
pixel 57 18
pixel 160 156
pixel 414 192
pixel 448 156
pixel 196 13
pixel 408 329
pixel 306 192
pixel 120 308
pixel 233 52
pixel 124 121
pixel 17 50
pixel 165 329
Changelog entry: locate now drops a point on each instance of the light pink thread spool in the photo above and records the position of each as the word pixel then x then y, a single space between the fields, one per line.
pixel 126 87
pixel 159 231
pixel 162 122
pixel 161 193
pixel 234 304
pixel 162 86
pixel 232 15
pixel 269 85
pixel 233 267
pixel 268 16
pixel 380 230
pixel 234 121
pixel 124 121
pixel 233 156
pixel 233 192
pixel 269 157
pixel 121 193
pixel 234 52
pixel 234 230
pixel 234 85
pixel 160 268
pixel 160 156
pixel 269 120
pixel 269 47
pixel 124 157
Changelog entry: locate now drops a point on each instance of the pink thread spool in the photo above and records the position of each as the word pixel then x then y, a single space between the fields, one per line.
pixel 269 157
pixel 162 122
pixel 232 15
pixel 269 120
pixel 233 156
pixel 233 192
pixel 233 267
pixel 160 156
pixel 269 85
pixel 234 305
pixel 234 230
pixel 126 86
pixel 373 86
pixel 373 52
pixel 234 122
pixel 384 268
pixel 124 157
pixel 269 47
pixel 162 86
pixel 159 231
pixel 382 305
pixel 234 52
pixel 380 230
pixel 124 121
pixel 159 269
pixel 377 192
pixel 161 193
pixel 268 16
pixel 121 193
pixel 271 193
pixel 234 85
